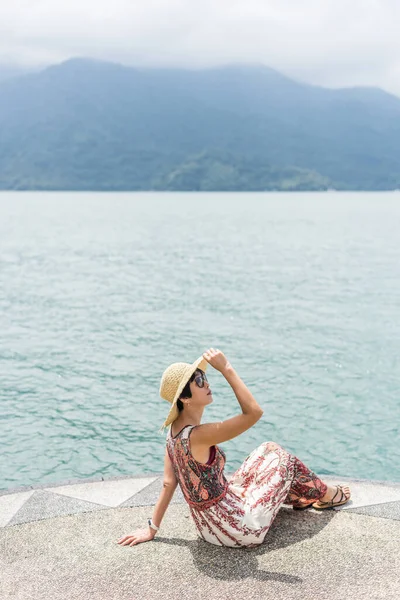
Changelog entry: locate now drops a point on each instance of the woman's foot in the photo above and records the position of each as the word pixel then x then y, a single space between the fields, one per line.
pixel 335 496
pixel 301 504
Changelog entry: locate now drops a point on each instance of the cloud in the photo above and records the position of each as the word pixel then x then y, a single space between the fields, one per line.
pixel 332 43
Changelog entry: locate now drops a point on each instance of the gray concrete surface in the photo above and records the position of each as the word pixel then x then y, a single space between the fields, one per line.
pixel 60 542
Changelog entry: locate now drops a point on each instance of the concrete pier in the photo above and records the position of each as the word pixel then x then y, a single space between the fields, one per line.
pixel 60 542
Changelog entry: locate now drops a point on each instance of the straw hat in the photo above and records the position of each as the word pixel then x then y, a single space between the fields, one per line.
pixel 173 380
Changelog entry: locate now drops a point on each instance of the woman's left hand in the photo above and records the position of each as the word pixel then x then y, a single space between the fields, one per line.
pixel 137 537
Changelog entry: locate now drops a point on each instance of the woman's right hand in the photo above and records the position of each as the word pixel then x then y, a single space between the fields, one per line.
pixel 217 359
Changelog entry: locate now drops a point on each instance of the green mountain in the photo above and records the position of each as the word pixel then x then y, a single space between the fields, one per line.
pixel 90 125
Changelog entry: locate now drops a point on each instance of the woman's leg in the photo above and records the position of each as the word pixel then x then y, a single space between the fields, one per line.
pixel 258 475
pixel 306 486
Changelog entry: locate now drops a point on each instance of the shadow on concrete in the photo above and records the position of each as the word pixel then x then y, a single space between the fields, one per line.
pixel 230 564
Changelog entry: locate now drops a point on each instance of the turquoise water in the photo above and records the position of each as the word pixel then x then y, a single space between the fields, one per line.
pixel 100 292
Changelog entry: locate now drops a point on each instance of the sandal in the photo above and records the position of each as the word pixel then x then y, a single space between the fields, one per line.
pixel 303 505
pixel 331 503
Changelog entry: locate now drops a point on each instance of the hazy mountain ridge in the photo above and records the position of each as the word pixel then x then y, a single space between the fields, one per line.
pixel 10 71
pixel 87 124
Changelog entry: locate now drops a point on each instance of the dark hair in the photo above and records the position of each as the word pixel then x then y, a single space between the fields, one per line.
pixel 186 393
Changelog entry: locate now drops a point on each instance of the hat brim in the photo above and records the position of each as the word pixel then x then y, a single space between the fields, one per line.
pixel 200 363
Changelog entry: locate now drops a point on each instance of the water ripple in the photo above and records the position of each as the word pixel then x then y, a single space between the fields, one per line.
pixel 100 292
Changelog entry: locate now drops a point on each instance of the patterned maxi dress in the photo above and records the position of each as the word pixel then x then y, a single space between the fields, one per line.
pixel 239 512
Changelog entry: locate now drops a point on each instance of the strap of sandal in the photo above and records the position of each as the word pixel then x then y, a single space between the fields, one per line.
pixel 332 502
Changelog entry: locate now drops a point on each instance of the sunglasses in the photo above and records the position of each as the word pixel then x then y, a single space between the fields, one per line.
pixel 200 380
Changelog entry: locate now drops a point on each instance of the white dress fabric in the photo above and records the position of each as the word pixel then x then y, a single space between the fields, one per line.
pixel 239 511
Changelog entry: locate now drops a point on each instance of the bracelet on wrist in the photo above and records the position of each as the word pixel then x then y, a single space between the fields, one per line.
pixel 151 525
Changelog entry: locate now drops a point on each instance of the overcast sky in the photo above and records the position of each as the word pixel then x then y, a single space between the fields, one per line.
pixel 327 42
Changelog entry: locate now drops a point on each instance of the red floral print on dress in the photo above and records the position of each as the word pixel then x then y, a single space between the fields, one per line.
pixel 239 512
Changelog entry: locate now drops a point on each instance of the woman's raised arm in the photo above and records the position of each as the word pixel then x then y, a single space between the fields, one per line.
pixel 216 433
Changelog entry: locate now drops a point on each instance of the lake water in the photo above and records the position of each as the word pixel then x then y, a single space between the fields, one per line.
pixel 100 292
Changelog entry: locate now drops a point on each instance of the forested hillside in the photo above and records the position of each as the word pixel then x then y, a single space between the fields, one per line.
pixel 89 125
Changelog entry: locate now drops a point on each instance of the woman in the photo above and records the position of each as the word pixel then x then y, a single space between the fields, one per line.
pixel 238 512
